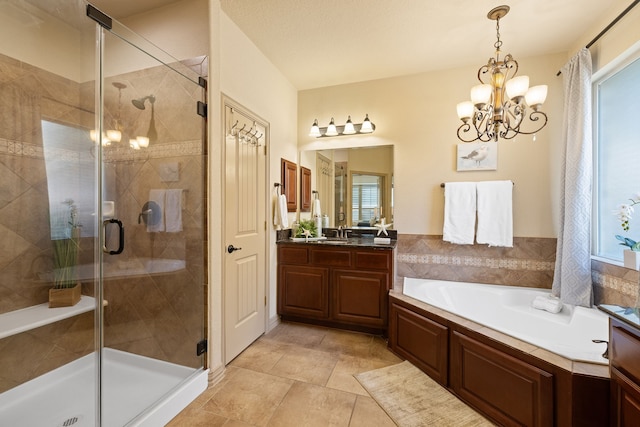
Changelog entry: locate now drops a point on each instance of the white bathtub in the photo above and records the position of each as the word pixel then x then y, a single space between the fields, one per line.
pixel 508 309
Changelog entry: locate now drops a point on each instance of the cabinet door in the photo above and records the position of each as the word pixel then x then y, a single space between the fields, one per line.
pixel 422 341
pixel 507 389
pixel 625 397
pixel 303 291
pixel 359 297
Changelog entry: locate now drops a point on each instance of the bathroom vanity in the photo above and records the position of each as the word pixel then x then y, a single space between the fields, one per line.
pixel 338 283
pixel 624 361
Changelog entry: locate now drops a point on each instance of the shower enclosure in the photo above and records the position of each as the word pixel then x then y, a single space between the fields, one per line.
pixel 102 162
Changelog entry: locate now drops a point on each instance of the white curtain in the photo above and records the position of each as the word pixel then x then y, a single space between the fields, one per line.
pixel 572 276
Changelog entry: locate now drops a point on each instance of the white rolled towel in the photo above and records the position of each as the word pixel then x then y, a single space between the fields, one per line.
pixel 548 303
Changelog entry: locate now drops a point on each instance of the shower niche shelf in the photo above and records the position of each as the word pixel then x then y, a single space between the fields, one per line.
pixel 25 319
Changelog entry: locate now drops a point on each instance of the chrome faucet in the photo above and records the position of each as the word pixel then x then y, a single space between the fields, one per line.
pixel 342 233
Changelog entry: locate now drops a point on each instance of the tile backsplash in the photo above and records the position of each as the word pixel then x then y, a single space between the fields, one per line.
pixel 530 262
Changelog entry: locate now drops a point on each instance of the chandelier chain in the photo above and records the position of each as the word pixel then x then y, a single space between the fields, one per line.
pixel 498 42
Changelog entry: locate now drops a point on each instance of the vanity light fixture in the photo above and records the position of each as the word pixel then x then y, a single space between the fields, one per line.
pixel 112 135
pixel 499 106
pixel 349 128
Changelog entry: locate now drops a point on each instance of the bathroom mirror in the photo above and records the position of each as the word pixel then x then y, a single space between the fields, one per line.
pixel 354 185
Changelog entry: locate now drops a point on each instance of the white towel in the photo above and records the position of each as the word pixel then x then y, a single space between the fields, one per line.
pixel 315 208
pixel 280 217
pixel 173 211
pixel 459 212
pixel 495 213
pixel 547 303
pixel 158 197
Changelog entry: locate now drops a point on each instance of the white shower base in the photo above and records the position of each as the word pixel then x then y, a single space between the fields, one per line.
pixel 67 396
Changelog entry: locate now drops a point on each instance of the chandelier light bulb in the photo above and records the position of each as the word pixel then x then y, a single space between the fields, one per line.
pixel 114 135
pixel 536 95
pixel 517 87
pixel 481 94
pixel 465 110
pixel 133 143
pixel 143 141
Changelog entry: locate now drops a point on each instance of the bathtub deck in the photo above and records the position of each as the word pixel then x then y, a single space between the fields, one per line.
pixel 577 367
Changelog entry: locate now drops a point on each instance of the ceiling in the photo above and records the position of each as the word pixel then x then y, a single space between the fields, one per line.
pixel 317 43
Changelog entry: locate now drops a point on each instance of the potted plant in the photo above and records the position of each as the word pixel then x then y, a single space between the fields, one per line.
pixel 66 243
pixel 306 228
pixel 631 255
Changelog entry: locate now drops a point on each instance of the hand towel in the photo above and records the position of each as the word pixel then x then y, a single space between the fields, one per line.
pixel 280 217
pixel 459 212
pixel 173 211
pixel 157 196
pixel 547 303
pixel 315 208
pixel 495 213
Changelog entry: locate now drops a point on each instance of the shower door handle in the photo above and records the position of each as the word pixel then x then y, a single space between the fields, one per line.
pixel 121 234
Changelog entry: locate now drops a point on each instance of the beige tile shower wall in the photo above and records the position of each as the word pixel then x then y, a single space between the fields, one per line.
pixel 529 263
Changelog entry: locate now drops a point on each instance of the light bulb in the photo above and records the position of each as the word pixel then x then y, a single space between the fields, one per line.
pixel 348 127
pixel 315 130
pixel 331 130
pixel 366 127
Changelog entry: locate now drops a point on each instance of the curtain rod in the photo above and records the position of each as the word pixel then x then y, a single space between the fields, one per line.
pixel 608 27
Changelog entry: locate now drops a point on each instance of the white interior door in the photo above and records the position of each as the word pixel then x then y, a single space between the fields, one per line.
pixel 245 231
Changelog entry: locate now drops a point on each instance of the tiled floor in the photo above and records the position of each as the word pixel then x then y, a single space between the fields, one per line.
pixel 296 375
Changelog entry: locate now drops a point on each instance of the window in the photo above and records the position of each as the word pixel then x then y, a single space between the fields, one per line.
pixel 616 154
pixel 366 197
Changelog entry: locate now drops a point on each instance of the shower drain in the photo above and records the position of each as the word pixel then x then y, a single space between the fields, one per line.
pixel 71 421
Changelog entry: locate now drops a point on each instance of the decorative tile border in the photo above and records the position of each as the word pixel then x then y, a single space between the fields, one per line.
pixel 115 154
pixel 471 261
pixel 625 287
pixel 23 149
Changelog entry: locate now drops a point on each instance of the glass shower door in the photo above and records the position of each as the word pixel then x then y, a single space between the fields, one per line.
pixel 153 218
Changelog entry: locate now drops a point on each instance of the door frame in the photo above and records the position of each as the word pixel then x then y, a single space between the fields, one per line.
pixel 227 101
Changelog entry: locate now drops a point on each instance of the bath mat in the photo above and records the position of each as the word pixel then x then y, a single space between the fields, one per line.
pixel 413 399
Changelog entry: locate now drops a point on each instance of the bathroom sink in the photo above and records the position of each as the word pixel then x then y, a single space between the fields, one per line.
pixel 334 241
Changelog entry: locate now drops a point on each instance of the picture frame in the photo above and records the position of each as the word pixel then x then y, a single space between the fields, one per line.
pixel 477 156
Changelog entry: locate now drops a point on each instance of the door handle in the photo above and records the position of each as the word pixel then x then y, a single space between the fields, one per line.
pixel 232 248
pixel 120 244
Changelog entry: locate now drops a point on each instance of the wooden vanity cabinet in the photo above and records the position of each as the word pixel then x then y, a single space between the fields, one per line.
pixel 624 358
pixel 338 286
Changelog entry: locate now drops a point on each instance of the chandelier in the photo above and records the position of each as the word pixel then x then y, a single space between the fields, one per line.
pixel 501 103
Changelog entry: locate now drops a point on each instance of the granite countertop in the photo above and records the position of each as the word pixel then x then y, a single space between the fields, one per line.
pixel 629 315
pixel 367 242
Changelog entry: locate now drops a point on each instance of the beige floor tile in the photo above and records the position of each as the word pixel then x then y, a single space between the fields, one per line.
pixel 261 356
pixel 307 365
pixel 342 377
pixel 195 417
pixel 345 342
pixel 297 334
pixel 309 405
pixel 249 396
pixel 367 413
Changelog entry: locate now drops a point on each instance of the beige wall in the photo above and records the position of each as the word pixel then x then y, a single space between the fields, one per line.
pixel 417 114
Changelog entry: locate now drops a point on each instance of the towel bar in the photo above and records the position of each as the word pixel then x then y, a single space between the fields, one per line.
pixel 442 184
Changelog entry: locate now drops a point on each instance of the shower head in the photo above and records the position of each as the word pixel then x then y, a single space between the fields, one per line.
pixel 139 103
